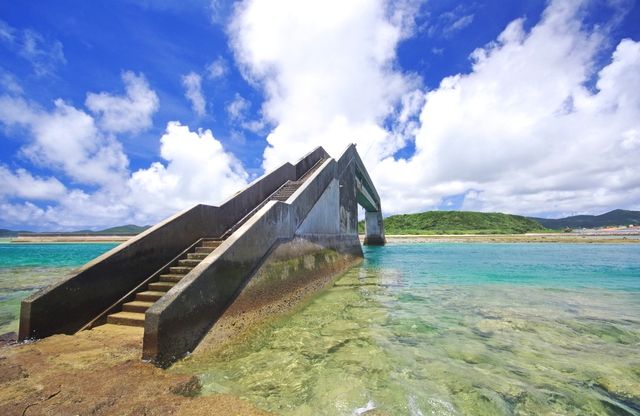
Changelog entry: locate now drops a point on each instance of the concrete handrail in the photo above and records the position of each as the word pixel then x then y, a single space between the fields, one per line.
pixel 175 324
pixel 68 305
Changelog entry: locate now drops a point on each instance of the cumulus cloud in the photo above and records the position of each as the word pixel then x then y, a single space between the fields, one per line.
pixel 130 113
pixel 22 184
pixel 327 70
pixel 66 139
pixel 192 83
pixel 101 191
pixel 521 132
pixel 197 170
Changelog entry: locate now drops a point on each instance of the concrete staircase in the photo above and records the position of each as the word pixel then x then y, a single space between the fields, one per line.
pixel 132 313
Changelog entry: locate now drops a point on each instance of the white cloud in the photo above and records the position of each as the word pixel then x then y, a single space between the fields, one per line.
pixel 44 55
pixel 197 170
pixel 66 139
pixel 327 70
pixel 21 184
pixel 130 113
pixel 237 108
pixel 9 82
pixel 449 23
pixel 460 24
pixel 520 133
pixel 237 111
pixel 192 83
pixel 217 68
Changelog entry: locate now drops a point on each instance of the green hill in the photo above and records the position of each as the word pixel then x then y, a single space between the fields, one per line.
pixel 458 222
pixel 10 233
pixel 123 229
pixel 617 217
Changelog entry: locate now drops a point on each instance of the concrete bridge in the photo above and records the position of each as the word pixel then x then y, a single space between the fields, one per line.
pixel 202 269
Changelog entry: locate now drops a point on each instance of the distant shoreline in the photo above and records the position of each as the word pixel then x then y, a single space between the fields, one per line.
pixel 572 238
pixel 71 239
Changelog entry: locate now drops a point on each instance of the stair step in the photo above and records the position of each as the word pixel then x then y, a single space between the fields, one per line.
pixel 171 277
pixel 136 306
pixel 188 262
pixel 149 295
pixel 161 286
pixel 210 243
pixel 197 256
pixel 204 250
pixel 126 318
pixel 179 269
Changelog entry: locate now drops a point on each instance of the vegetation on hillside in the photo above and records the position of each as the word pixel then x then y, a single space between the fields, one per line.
pixel 615 218
pixel 458 222
pixel 123 229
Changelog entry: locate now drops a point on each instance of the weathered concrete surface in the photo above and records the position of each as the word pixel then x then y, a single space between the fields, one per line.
pixel 177 322
pixel 292 273
pixel 374 229
pixel 99 372
pixel 323 208
pixel 68 305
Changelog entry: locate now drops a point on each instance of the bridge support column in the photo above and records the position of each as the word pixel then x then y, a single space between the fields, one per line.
pixel 374 229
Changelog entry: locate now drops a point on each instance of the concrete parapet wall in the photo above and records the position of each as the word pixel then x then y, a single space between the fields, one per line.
pixel 323 210
pixel 177 322
pixel 291 274
pixel 67 306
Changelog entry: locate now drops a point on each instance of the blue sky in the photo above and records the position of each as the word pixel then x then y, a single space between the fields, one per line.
pixel 126 111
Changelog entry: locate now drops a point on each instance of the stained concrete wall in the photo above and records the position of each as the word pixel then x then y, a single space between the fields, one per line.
pixel 323 210
pixel 177 322
pixel 288 276
pixel 67 306
pixel 322 217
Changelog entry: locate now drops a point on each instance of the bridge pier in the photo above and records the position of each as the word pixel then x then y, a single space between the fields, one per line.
pixel 374 229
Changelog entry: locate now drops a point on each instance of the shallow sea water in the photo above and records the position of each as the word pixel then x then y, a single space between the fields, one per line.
pixel 451 329
pixel 26 268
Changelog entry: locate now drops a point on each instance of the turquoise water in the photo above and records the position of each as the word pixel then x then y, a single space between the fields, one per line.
pixel 451 329
pixel 25 268
pixel 423 329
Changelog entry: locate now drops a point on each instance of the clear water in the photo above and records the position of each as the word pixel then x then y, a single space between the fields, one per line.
pixel 451 329
pixel 25 268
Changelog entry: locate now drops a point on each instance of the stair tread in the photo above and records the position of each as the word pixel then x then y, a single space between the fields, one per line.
pixel 140 303
pixel 162 284
pixel 137 316
pixel 151 293
pixel 126 318
pixel 205 249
